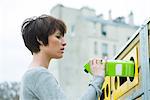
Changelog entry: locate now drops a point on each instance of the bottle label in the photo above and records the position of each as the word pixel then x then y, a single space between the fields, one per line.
pixel 118 69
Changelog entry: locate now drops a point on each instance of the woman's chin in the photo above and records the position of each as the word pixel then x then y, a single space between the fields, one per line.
pixel 59 57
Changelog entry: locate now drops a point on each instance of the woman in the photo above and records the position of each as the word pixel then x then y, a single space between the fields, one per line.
pixel 44 37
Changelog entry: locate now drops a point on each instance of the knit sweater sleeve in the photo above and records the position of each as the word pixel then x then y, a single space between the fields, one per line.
pixel 47 88
pixel 39 84
pixel 94 89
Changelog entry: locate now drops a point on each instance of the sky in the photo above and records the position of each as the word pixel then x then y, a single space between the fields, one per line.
pixel 14 57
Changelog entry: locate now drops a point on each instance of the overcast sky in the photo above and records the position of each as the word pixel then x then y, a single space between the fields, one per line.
pixel 14 57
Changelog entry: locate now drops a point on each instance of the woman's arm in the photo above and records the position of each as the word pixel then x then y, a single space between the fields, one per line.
pixel 94 89
pixel 47 88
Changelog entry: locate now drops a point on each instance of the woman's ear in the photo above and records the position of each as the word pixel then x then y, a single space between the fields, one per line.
pixel 41 43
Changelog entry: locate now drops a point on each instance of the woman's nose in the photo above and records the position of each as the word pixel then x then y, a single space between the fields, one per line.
pixel 63 41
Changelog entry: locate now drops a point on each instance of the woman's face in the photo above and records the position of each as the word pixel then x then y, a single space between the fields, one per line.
pixel 56 45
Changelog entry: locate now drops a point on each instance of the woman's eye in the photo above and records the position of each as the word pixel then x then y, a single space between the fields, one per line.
pixel 58 37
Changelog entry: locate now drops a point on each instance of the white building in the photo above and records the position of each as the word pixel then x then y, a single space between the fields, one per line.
pixel 88 36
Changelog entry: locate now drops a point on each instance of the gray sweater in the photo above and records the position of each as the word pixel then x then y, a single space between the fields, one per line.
pixel 39 84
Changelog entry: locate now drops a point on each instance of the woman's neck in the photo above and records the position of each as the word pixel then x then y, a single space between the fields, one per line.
pixel 40 59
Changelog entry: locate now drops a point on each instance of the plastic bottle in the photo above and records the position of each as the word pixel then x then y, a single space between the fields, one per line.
pixel 116 68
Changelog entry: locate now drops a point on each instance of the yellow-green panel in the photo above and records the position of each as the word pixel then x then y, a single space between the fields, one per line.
pixel 106 89
pixel 129 83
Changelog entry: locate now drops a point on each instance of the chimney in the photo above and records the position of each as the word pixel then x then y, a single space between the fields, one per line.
pixel 130 18
pixel 109 15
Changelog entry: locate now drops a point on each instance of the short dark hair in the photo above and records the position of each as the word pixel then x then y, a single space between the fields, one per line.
pixel 40 28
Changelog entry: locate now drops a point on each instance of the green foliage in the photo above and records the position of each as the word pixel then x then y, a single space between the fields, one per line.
pixel 9 91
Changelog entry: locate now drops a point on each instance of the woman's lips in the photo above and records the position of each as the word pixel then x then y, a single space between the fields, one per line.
pixel 62 50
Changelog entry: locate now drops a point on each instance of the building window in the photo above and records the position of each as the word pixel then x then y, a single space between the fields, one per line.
pixel 104 33
pixel 94 24
pixel 72 28
pixel 114 50
pixel 104 50
pixel 95 48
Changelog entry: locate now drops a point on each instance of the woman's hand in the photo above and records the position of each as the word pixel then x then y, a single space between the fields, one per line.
pixel 97 67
